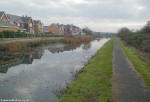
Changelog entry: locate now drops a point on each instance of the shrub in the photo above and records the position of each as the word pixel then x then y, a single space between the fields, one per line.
pixel 138 40
pixel 10 34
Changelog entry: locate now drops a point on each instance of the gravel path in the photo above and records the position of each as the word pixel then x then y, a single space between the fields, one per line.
pixel 127 86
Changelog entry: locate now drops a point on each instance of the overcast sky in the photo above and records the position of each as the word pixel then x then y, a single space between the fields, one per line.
pixel 99 15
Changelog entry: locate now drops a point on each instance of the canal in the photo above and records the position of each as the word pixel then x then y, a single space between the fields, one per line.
pixel 39 74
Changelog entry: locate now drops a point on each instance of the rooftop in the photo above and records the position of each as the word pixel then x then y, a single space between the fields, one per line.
pixel 1 13
pixel 35 22
pixel 26 19
pixel 3 24
pixel 15 18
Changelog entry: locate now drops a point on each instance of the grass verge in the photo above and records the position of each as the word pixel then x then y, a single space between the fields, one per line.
pixel 141 64
pixel 93 83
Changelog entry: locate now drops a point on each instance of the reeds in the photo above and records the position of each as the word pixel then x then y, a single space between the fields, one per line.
pixel 82 39
pixel 26 45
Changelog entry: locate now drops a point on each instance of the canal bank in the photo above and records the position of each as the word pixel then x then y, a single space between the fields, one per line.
pixel 92 84
pixel 19 44
pixel 46 69
pixel 13 49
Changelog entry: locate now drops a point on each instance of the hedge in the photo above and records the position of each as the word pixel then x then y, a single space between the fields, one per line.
pixel 10 34
pixel 138 40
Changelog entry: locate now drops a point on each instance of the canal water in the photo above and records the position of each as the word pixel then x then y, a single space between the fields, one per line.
pixel 37 76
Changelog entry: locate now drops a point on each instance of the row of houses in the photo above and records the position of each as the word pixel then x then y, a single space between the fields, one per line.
pixel 16 23
pixel 62 29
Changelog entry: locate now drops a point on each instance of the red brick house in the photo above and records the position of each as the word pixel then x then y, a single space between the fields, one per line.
pixel 38 27
pixel 57 29
pixel 67 30
pixel 24 23
pixel 72 30
pixel 28 24
pixel 16 20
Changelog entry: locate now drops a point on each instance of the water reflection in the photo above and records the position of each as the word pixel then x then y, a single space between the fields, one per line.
pixel 29 57
pixel 40 72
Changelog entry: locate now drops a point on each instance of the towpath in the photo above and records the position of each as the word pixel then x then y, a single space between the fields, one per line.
pixel 127 86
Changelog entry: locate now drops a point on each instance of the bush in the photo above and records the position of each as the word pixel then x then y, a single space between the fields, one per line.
pixel 138 40
pixel 10 34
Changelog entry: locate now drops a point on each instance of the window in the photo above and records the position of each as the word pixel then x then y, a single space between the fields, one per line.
pixel 30 25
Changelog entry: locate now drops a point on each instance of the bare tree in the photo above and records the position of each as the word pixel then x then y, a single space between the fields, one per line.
pixel 87 31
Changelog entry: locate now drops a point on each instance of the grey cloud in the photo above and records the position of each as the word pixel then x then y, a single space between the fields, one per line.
pixel 125 10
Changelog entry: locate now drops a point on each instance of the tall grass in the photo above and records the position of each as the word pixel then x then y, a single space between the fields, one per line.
pixel 26 44
pixel 82 39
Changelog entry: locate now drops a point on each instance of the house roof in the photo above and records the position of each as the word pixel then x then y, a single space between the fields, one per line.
pixel 1 14
pixel 15 18
pixel 36 22
pixel 26 19
pixel 67 26
pixel 3 24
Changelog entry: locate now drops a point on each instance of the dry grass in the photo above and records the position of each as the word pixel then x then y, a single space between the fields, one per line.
pixel 28 44
pixel 83 39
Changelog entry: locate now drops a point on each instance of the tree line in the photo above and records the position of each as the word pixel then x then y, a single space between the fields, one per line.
pixel 139 39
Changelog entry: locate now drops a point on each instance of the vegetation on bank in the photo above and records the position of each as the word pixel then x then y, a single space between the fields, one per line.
pixel 10 34
pixel 141 64
pixel 139 39
pixel 12 40
pixel 9 61
pixel 139 54
pixel 19 44
pixel 25 44
pixel 82 39
pixel 93 81
pixel 12 48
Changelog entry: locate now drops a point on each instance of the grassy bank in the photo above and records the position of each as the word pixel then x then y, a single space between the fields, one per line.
pixel 93 81
pixel 141 64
